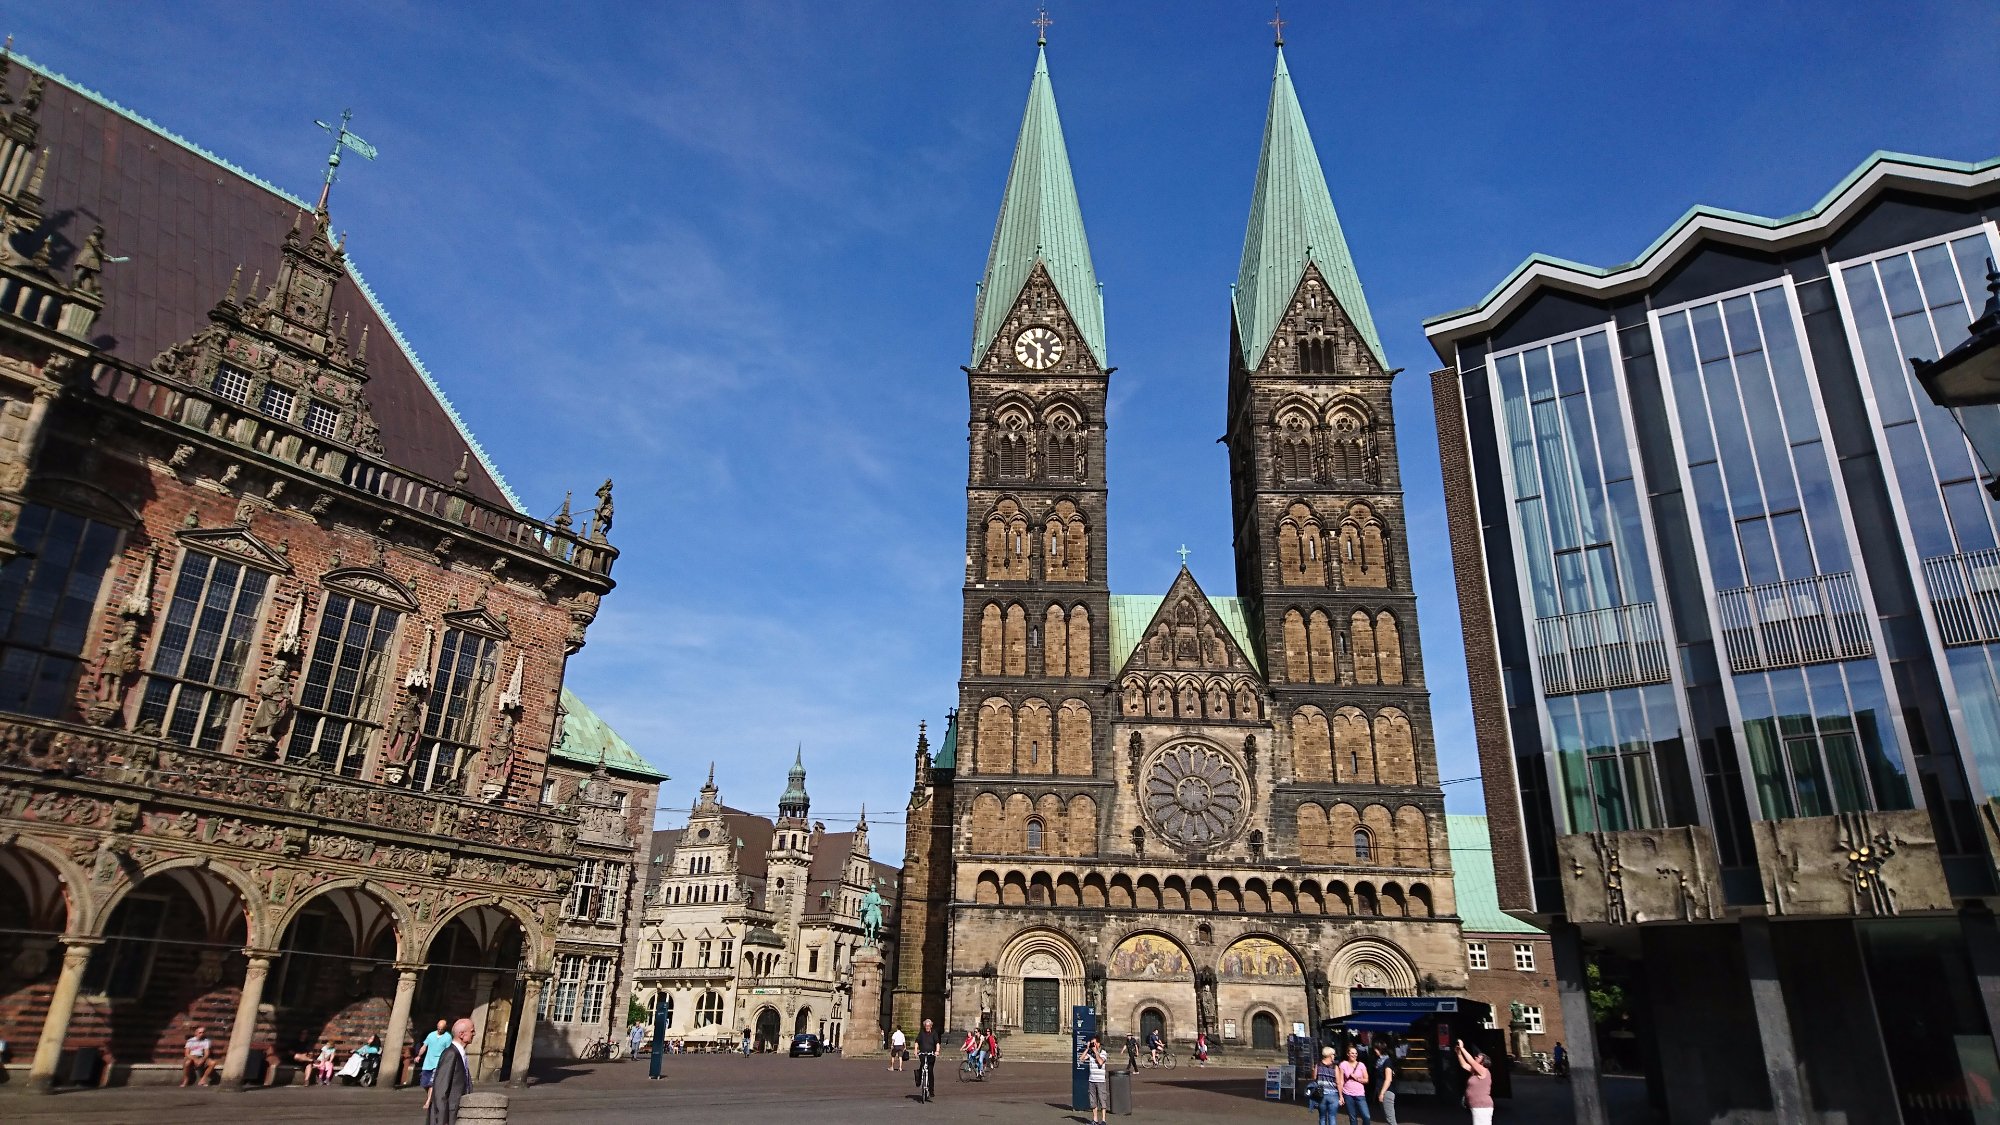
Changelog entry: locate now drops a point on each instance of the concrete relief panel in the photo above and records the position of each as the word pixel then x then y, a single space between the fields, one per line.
pixel 1651 875
pixel 1874 864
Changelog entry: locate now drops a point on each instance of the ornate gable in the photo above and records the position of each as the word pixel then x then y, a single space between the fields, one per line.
pixel 1316 336
pixel 1187 634
pixel 1040 306
pixel 238 543
pixel 480 620
pixel 373 585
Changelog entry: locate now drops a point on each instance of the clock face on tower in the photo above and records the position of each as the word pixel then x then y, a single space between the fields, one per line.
pixel 1038 348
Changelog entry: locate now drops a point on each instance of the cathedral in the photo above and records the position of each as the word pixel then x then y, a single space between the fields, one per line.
pixel 1191 812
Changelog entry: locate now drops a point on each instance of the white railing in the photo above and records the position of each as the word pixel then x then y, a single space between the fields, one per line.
pixel 1800 621
pixel 1602 648
pixel 1965 596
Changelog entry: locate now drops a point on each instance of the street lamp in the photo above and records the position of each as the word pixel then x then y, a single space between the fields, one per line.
pixel 1966 381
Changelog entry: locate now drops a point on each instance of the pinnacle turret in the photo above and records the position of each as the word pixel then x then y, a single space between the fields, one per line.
pixel 794 804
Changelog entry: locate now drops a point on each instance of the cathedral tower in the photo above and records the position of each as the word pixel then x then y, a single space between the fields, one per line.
pixel 1035 623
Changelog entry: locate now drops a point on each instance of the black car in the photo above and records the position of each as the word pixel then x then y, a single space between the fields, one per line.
pixel 806 1043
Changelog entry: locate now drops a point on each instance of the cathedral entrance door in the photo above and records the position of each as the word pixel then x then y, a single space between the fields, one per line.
pixel 767 1029
pixel 1041 1006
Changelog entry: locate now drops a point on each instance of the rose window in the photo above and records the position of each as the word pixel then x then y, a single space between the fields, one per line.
pixel 1194 796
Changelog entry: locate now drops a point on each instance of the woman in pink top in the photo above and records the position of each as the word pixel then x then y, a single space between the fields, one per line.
pixel 1478 1084
pixel 1352 1077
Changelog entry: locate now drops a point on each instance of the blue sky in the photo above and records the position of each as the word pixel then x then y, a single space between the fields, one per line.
pixel 725 253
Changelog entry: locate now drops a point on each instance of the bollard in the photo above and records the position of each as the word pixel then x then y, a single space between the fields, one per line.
pixel 482 1109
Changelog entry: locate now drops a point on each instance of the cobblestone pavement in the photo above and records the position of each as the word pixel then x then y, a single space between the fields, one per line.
pixel 763 1089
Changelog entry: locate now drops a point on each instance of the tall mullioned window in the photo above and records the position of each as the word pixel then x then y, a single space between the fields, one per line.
pixel 1586 567
pixel 1917 301
pixel 1775 539
pixel 47 594
pixel 195 678
pixel 451 722
pixel 342 690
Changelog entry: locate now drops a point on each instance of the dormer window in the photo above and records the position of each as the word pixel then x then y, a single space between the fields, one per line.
pixel 277 402
pixel 321 419
pixel 232 384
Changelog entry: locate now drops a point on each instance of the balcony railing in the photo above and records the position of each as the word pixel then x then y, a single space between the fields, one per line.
pixel 1802 621
pixel 1599 649
pixel 229 420
pixel 164 768
pixel 1965 596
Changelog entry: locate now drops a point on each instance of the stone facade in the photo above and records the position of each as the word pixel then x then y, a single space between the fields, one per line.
pixel 1200 813
pixel 756 925
pixel 277 697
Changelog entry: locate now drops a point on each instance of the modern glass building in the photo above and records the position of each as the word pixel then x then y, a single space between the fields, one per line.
pixel 1730 587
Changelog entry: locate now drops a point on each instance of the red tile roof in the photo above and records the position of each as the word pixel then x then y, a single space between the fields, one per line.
pixel 184 220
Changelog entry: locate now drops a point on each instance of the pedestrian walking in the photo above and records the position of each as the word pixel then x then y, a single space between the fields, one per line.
pixel 1325 1089
pixel 1352 1078
pixel 1131 1053
pixel 1478 1083
pixel 898 1043
pixel 1561 1057
pixel 434 1045
pixel 453 1077
pixel 746 1042
pixel 1385 1081
pixel 1094 1059
pixel 637 1035
pixel 1201 1048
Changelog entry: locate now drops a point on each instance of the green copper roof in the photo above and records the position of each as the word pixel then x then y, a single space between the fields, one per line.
pixel 947 754
pixel 795 787
pixel 1131 613
pixel 1472 880
pixel 588 740
pixel 1292 222
pixel 1039 221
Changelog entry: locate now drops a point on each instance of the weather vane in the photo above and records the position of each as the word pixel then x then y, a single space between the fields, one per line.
pixel 1278 25
pixel 341 139
pixel 1042 22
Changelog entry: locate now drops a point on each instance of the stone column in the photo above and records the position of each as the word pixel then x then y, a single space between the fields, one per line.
pixel 530 1002
pixel 397 1037
pixel 483 1048
pixel 62 1005
pixel 863 1033
pixel 1573 989
pixel 257 966
pixel 1774 1024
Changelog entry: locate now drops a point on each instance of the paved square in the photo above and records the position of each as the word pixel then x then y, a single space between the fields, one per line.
pixel 763 1089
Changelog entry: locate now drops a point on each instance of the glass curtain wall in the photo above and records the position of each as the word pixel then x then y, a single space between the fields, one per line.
pixel 1792 617
pixel 1605 662
pixel 1917 302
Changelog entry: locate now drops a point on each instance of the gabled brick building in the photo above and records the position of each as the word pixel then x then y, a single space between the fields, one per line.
pixel 280 656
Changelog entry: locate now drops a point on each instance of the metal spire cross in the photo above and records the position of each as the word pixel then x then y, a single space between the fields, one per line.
pixel 1277 26
pixel 1183 553
pixel 341 139
pixel 1042 22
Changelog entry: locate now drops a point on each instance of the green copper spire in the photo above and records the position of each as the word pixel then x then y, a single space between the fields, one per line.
pixel 1291 223
pixel 794 803
pixel 1039 222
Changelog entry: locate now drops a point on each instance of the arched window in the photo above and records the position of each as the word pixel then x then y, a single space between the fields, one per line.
pixel 1295 447
pixel 1204 934
pixel 1011 445
pixel 1065 445
pixel 1364 848
pixel 1138 841
pixel 708 1010
pixel 1035 834
pixel 664 1004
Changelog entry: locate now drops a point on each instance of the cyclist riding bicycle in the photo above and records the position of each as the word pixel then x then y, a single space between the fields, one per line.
pixel 975 1052
pixel 1157 1044
pixel 927 1052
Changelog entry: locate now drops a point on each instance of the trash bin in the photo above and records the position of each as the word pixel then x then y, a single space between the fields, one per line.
pixel 1121 1092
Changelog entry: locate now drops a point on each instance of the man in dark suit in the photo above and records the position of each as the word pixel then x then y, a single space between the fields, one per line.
pixel 454 1077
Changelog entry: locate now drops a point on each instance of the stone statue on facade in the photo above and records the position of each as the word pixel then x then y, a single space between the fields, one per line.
pixel 273 703
pixel 120 661
pixel 871 918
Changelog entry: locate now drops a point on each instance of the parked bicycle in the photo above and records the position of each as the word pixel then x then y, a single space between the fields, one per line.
pixel 600 1050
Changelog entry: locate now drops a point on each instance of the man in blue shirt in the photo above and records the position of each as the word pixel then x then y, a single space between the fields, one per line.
pixel 434 1045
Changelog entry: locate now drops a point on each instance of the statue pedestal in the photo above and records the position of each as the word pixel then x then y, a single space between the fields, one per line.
pixel 863 1034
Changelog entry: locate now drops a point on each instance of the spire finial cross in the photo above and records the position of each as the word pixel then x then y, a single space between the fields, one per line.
pixel 1041 22
pixel 1183 553
pixel 1277 26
